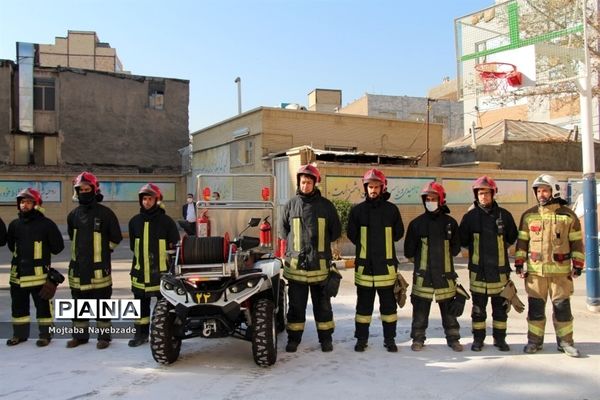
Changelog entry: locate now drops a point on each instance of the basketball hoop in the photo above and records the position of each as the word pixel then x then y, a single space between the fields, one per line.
pixel 498 76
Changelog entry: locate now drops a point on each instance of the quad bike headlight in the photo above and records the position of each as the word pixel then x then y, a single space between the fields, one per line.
pixel 250 283
pixel 180 291
pixel 168 286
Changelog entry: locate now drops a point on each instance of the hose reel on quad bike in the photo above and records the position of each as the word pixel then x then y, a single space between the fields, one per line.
pixel 204 250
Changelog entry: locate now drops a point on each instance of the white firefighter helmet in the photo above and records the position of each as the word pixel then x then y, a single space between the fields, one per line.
pixel 547 180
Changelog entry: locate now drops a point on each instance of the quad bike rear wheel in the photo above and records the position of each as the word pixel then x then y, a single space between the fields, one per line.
pixel 164 345
pixel 264 335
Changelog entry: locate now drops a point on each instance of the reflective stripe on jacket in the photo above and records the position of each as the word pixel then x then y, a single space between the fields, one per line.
pixel 309 224
pixel 550 239
pixel 32 239
pixel 94 231
pixel 431 242
pixel 150 235
pixel 373 227
pixel 488 233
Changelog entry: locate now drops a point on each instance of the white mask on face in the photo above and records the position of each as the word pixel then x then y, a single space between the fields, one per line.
pixel 431 206
pixel 190 201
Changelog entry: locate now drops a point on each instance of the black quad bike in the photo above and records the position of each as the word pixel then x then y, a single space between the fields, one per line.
pixel 218 288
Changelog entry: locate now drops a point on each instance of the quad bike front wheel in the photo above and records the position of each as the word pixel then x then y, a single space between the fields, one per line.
pixel 164 345
pixel 282 306
pixel 264 335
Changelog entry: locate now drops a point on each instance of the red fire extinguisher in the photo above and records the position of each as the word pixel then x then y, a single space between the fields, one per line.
pixel 203 225
pixel 265 233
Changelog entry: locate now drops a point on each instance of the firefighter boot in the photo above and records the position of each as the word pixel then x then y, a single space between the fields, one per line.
pixel 13 341
pixel 390 345
pixel 326 345
pixel 477 345
pixel 44 340
pixel 568 349
pixel 361 345
pixel 500 338
pixel 76 342
pixel 416 346
pixel 292 346
pixel 531 348
pixel 138 339
pixel 478 339
pixel 102 344
pixel 455 346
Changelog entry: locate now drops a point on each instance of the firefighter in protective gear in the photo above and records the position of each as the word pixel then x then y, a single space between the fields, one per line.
pixel 431 242
pixel 151 233
pixel 2 233
pixel 373 227
pixel 488 230
pixel 551 245
pixel 94 232
pixel 32 239
pixel 309 223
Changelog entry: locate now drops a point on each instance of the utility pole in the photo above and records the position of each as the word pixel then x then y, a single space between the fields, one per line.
pixel 238 80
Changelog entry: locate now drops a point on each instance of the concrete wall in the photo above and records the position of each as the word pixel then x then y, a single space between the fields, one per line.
pixel 105 119
pixel 445 112
pixel 275 130
pixel 79 49
pixel 537 156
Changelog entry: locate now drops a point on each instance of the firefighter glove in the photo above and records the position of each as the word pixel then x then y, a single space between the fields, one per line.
pixel 48 290
pixel 510 294
pixel 519 271
pixel 55 277
pixel 576 271
pixel 332 283
pixel 400 290
pixel 457 304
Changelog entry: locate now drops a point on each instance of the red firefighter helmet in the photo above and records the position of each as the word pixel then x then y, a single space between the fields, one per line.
pixel 434 188
pixel 89 178
pixel 484 182
pixel 150 189
pixel 310 171
pixel 29 193
pixel 375 175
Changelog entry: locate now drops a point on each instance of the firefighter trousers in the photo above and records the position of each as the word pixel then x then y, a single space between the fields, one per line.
pixel 296 316
pixel 20 311
pixel 142 325
pixel 559 289
pixel 81 326
pixel 420 319
pixel 479 315
pixel 365 299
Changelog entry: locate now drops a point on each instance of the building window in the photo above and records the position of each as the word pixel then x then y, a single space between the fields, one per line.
pixel 43 94
pixel 156 95
pixel 242 152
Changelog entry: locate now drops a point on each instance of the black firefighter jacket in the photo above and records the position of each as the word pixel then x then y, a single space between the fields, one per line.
pixel 431 242
pixel 151 234
pixel 32 238
pixel 2 233
pixel 488 233
pixel 94 231
pixel 373 227
pixel 309 223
